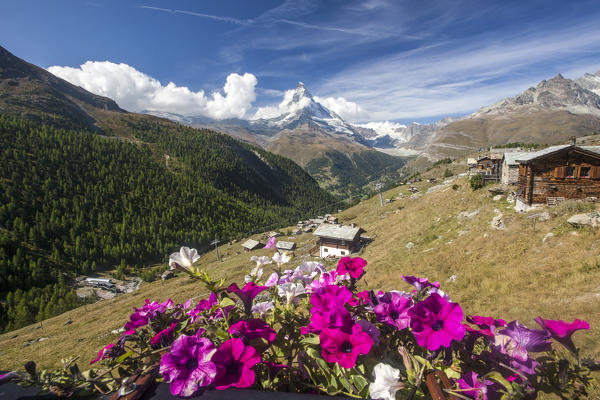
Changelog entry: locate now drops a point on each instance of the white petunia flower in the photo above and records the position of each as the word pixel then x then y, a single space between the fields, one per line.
pixel 289 291
pixel 308 270
pixel 386 382
pixel 260 261
pixel 262 307
pixel 281 258
pixel 255 275
pixel 184 259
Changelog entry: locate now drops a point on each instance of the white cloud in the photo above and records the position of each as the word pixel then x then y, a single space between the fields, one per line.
pixel 348 110
pixel 135 91
pixel 287 105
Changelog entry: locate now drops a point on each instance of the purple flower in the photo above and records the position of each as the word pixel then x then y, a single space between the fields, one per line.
pixel 203 305
pixel 247 294
pixel 487 325
pixel 146 313
pixel 271 243
pixel 472 387
pixel 436 322
pixel 104 353
pixel 393 310
pixel 164 337
pixel 517 340
pixel 188 365
pixel 339 318
pixel 326 279
pixel 329 298
pixel 562 331
pixel 252 329
pixel 419 283
pixel 234 362
pixel 272 280
pixel 343 347
pixel 352 266
pixel 370 329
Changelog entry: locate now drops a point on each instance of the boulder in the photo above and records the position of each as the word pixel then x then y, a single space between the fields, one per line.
pixel 581 220
pixel 497 222
pixel 467 215
pixel 497 197
pixel 410 245
pixel 547 236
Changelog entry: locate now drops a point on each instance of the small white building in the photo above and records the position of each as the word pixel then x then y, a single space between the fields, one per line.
pixel 337 240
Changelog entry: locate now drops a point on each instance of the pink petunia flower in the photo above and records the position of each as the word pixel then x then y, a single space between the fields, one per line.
pixel 141 316
pixel 247 294
pixel 234 362
pixel 344 347
pixel 329 298
pixel 352 266
pixel 435 322
pixel 188 366
pixel 164 337
pixel 562 331
pixel 104 353
pixel 253 329
pixel 202 306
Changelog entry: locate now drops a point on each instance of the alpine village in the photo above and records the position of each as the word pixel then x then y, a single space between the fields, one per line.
pixel 419 219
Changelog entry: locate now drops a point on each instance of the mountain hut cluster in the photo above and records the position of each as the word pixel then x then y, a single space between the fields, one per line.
pixel 547 176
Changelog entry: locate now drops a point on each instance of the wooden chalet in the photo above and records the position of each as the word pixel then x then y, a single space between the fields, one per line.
pixel 337 240
pixel 567 171
pixel 488 166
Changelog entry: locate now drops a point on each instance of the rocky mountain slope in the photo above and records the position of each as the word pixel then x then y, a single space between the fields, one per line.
pixel 31 92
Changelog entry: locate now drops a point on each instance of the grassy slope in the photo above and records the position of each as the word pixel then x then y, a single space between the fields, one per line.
pixel 509 274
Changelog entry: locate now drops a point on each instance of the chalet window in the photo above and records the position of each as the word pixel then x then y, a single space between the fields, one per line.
pixel 584 172
pixel 343 253
pixel 325 250
pixel 570 172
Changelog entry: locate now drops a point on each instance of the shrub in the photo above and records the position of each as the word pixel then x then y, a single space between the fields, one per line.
pixel 448 173
pixel 476 181
pixel 455 187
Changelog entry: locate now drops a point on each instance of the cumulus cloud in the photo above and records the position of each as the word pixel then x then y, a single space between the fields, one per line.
pixel 348 110
pixel 287 105
pixel 135 91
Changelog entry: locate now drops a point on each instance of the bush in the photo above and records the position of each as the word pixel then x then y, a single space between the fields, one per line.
pixel 476 182
pixel 448 173
pixel 455 187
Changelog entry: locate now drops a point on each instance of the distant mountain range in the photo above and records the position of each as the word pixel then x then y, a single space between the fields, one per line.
pixel 333 151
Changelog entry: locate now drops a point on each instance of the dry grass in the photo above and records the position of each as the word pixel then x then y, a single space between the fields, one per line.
pixel 510 273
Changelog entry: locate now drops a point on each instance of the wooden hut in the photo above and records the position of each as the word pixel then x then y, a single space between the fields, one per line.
pixel 252 244
pixel 338 240
pixel 567 171
pixel 510 167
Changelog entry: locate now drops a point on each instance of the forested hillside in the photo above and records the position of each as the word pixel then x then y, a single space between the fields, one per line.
pixel 74 202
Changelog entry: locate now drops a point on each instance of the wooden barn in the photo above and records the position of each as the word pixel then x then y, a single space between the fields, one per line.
pixel 488 166
pixel 567 171
pixel 338 240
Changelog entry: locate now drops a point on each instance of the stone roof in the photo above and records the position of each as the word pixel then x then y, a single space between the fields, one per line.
pixel 250 244
pixel 285 245
pixel 512 157
pixel 333 231
pixel 552 149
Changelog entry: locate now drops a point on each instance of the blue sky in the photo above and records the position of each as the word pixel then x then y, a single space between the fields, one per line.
pixel 368 60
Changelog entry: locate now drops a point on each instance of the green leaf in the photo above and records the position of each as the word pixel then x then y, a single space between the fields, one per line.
pixel 226 302
pixel 359 381
pixel 124 357
pixel 311 340
pixel 496 376
pixel 221 334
